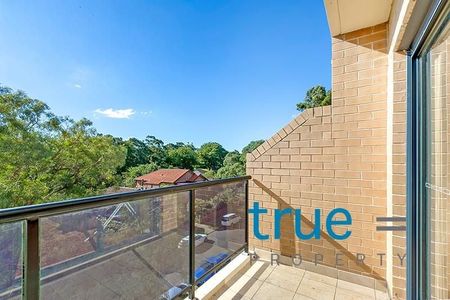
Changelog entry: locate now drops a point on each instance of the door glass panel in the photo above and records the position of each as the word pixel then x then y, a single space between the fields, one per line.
pixel 438 181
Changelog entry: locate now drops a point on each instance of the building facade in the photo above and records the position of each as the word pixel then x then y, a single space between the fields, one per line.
pixel 353 153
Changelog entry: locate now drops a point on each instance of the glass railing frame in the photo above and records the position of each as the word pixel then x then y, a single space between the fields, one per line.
pixel 32 214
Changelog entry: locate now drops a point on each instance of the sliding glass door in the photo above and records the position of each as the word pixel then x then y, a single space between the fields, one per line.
pixel 431 93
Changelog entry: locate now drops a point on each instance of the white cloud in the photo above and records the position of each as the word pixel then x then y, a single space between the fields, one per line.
pixel 116 113
pixel 78 86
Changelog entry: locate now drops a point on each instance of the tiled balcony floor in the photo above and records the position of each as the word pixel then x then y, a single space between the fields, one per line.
pixel 263 281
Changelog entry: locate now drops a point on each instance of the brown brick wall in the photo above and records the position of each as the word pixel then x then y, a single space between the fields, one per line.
pixel 399 172
pixel 332 157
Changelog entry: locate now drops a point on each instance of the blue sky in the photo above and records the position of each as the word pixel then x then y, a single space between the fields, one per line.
pixel 191 71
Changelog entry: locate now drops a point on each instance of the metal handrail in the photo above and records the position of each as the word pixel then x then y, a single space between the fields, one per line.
pixel 74 205
pixel 33 213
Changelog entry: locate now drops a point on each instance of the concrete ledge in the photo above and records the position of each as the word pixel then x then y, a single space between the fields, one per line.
pixel 215 283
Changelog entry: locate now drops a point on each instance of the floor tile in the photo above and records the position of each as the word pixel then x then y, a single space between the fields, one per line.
pixel 301 297
pixel 344 294
pixel 359 289
pixel 379 295
pixel 286 277
pixel 316 290
pixel 320 278
pixel 269 291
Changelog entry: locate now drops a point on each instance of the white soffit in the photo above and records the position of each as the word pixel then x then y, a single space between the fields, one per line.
pixel 350 15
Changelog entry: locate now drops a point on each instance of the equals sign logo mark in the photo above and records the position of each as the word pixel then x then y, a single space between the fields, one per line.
pixel 391 228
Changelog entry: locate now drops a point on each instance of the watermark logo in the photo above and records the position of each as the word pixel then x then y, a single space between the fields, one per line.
pixel 336 217
pixel 391 227
pixel 318 259
pixel 337 224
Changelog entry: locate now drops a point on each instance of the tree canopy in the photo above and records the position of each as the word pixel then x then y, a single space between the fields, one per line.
pixel 233 165
pixel 211 156
pixel 252 146
pixel 138 153
pixel 183 157
pixel 45 157
pixel 315 96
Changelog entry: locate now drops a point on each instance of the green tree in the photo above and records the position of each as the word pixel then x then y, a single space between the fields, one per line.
pixel 82 162
pixel 231 170
pixel 315 96
pixel 211 155
pixel 232 157
pixel 137 153
pixel 23 122
pixel 210 174
pixel 171 146
pixel 183 157
pixel 130 175
pixel 251 146
pixel 44 157
pixel 233 165
pixel 234 162
pixel 157 152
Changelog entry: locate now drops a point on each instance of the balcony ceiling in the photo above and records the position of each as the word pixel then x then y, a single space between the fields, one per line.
pixel 350 15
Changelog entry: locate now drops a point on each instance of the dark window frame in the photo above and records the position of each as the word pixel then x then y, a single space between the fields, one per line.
pixel 416 167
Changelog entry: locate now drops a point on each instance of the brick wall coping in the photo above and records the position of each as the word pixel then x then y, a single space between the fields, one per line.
pixel 289 128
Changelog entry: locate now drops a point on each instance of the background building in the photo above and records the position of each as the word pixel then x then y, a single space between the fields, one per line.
pixel 163 177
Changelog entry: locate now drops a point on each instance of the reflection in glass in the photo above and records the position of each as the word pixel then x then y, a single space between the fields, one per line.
pixel 11 263
pixel 128 250
pixel 219 224
pixel 438 180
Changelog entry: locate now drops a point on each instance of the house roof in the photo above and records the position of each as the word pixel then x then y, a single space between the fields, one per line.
pixel 162 176
pixel 193 177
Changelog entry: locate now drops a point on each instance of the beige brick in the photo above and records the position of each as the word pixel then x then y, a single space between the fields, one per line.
pixel 289 151
pixel 290 165
pixel 279 157
pixel 312 165
pixel 316 150
pixel 271 165
pixel 335 156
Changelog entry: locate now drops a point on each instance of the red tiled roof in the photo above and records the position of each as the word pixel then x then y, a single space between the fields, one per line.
pixel 162 176
pixel 193 177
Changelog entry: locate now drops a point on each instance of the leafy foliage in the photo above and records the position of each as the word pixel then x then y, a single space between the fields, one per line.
pixel 45 157
pixel 211 155
pixel 234 162
pixel 315 96
pixel 233 157
pixel 156 151
pixel 251 146
pixel 183 157
pixel 138 153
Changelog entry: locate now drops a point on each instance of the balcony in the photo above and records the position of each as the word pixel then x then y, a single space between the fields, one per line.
pixel 164 243
pixel 154 244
